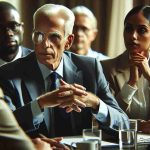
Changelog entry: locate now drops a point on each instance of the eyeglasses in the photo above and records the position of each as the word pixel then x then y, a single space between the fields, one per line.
pixel 38 37
pixel 81 28
pixel 13 26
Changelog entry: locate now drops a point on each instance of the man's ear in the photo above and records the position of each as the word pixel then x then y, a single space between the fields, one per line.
pixel 95 31
pixel 69 42
pixel 22 27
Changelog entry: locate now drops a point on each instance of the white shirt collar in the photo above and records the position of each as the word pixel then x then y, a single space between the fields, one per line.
pixel 46 71
pixel 19 54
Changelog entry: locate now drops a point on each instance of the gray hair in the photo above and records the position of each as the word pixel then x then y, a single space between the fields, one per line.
pixel 82 10
pixel 52 9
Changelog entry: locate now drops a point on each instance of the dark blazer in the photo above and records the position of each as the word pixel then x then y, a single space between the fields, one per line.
pixel 77 69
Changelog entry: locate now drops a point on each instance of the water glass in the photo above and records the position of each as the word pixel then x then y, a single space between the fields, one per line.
pixel 128 135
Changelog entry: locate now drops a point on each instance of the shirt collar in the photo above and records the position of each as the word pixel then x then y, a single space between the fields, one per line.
pixel 19 54
pixel 89 52
pixel 46 71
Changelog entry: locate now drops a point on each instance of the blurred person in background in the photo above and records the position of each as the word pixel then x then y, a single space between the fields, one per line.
pixel 85 31
pixel 11 34
pixel 129 73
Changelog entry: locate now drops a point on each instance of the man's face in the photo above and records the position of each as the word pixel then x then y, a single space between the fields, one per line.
pixel 84 34
pixel 49 39
pixel 11 33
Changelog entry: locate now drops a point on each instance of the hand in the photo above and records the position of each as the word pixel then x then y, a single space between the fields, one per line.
pixel 77 98
pixel 54 98
pixel 90 100
pixel 48 99
pixel 142 62
pixel 144 126
pixel 41 145
pixel 54 142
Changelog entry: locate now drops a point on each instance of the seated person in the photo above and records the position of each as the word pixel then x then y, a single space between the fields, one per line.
pixel 11 34
pixel 85 31
pixel 129 73
pixel 30 83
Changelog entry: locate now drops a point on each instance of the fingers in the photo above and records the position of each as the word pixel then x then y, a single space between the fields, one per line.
pixel 68 94
pixel 54 142
pixel 65 103
pixel 76 88
pixel 67 90
pixel 73 107
pixel 75 85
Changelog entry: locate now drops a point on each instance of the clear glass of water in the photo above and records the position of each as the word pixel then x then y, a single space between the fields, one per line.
pixel 128 135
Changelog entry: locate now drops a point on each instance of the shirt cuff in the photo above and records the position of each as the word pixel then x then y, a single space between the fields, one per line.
pixel 102 112
pixel 127 92
pixel 36 112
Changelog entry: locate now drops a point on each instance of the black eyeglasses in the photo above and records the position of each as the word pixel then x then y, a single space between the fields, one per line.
pixel 38 37
pixel 14 26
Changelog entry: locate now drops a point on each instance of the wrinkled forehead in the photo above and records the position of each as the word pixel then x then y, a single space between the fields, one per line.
pixel 45 23
pixel 9 15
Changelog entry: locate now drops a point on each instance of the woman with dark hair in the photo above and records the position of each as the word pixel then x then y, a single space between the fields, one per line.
pixel 129 73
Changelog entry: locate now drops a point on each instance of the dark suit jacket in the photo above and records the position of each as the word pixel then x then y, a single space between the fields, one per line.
pixel 77 69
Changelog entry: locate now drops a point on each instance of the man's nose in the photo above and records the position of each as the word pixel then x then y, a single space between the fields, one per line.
pixel 9 31
pixel 46 42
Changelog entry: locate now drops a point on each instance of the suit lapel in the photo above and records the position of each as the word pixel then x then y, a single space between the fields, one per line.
pixel 121 65
pixel 32 77
pixel 71 74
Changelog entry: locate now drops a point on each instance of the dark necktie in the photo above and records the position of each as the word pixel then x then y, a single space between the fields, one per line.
pixel 53 77
pixel 59 118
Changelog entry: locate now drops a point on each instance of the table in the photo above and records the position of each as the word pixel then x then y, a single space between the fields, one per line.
pixel 142 144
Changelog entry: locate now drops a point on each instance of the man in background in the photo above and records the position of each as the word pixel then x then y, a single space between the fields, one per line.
pixel 85 31
pixel 11 34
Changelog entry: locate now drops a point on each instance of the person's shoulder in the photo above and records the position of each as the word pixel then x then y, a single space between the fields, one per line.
pixel 16 66
pixel 73 56
pixel 98 55
pixel 80 61
pixel 25 51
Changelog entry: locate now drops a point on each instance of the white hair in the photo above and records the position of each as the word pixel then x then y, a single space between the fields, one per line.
pixel 82 10
pixel 52 9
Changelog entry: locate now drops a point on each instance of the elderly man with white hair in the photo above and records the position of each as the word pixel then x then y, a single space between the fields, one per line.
pixel 56 92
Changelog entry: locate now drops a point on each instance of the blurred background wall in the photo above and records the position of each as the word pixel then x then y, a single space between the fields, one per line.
pixel 109 13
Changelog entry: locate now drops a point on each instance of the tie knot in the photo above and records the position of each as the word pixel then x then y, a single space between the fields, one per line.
pixel 53 77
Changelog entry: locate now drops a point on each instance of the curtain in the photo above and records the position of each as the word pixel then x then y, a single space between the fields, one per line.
pixel 109 13
pixel 114 41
